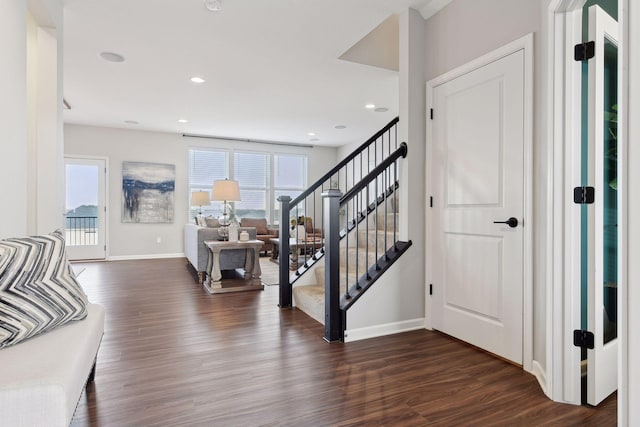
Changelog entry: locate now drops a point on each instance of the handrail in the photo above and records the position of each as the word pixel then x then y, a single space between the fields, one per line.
pixel 371 176
pixel 340 165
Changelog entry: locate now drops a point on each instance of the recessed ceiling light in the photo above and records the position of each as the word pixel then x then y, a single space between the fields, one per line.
pixel 340 127
pixel 311 134
pixel 370 106
pixel 197 79
pixel 183 121
pixel 111 57
pixel 131 122
pixel 213 5
pixel 314 139
pixel 381 110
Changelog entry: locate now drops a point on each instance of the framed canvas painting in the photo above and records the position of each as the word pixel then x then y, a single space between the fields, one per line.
pixel 148 192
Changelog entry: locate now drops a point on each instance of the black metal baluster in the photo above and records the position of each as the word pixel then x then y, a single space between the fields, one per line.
pixel 366 220
pixel 357 241
pixel 322 218
pixel 384 178
pixel 377 187
pixel 346 255
pixel 395 195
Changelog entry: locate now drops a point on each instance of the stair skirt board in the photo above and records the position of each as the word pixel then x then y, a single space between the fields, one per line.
pixel 351 335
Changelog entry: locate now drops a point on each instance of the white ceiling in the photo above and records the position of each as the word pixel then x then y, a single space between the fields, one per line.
pixel 271 67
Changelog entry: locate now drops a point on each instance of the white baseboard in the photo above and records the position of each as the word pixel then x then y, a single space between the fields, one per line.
pixel 151 256
pixel 541 375
pixel 382 330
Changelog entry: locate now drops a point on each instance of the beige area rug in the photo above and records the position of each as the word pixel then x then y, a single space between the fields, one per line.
pixel 270 274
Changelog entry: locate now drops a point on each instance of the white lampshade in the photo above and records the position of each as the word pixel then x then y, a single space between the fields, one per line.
pixel 200 198
pixel 226 190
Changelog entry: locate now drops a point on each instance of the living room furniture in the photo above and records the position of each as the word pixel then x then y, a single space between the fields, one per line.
pixel 225 190
pixel 49 332
pixel 200 198
pixel 42 378
pixel 297 247
pixel 263 232
pixel 213 284
pixel 198 254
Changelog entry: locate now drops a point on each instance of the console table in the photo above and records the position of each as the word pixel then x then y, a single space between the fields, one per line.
pixel 252 271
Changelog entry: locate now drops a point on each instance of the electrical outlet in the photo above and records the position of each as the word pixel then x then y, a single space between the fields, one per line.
pixel 158 239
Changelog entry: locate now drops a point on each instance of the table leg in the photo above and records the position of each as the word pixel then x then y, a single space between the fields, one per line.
pixel 248 264
pixel 257 272
pixel 215 278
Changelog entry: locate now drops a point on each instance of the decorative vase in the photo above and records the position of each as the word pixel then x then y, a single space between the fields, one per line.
pixel 244 236
pixel 233 232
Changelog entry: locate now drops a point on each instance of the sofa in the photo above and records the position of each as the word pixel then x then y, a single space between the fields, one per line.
pixel 263 231
pixel 49 333
pixel 197 252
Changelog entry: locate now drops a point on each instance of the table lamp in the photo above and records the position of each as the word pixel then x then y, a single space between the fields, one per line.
pixel 200 198
pixel 225 190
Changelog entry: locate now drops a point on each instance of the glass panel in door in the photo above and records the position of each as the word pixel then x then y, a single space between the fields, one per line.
pixel 601 243
pixel 85 208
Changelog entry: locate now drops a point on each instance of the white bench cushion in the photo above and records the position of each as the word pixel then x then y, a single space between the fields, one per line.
pixel 42 378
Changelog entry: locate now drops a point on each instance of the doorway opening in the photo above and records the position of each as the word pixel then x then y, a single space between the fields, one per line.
pixel 85 208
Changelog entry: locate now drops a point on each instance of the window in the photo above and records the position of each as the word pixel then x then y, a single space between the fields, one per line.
pixel 263 177
pixel 205 166
pixel 251 170
pixel 289 178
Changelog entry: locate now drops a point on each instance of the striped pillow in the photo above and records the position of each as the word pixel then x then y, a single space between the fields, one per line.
pixel 38 290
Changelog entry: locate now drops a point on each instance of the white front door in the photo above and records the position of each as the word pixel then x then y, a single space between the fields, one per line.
pixel 477 178
pixel 85 208
pixel 603 216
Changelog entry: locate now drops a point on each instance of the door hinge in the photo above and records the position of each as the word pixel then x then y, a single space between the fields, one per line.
pixel 583 339
pixel 431 113
pixel 430 201
pixel 584 51
pixel 584 195
pixel 430 289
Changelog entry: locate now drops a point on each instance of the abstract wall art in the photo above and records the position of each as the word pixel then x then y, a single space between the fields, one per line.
pixel 148 192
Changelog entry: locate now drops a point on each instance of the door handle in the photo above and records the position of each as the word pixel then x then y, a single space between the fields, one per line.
pixel 511 222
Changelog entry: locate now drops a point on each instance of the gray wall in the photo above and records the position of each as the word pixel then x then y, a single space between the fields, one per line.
pixel 468 29
pixel 118 145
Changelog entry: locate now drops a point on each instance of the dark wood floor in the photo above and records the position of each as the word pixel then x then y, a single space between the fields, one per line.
pixel 173 355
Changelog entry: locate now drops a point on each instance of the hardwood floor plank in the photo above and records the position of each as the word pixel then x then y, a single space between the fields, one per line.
pixel 173 355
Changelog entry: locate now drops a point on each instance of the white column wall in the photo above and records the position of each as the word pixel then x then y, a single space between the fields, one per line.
pixel 396 302
pixel 49 182
pixel 31 116
pixel 13 118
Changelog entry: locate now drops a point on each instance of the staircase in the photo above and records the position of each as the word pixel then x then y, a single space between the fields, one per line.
pixel 355 204
pixel 354 262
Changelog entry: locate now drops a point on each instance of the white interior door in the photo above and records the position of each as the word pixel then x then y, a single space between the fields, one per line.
pixel 85 213
pixel 602 246
pixel 478 172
